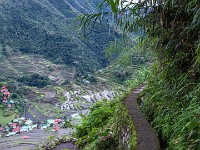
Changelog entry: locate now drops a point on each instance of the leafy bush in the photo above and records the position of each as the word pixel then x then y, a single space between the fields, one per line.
pixel 14 95
pixel 92 79
pixel 102 128
pixel 96 124
pixel 34 80
pixel 19 104
pixel 106 143
pixel 23 90
pixel 67 124
pixel 121 75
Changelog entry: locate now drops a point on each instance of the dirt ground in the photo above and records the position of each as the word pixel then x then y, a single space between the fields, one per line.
pixel 36 136
pixel 19 143
pixel 146 137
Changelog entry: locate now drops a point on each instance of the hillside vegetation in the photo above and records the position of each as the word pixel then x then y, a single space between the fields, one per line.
pixel 108 125
pixel 44 27
pixel 18 65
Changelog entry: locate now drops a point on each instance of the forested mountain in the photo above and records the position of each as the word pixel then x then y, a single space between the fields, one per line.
pixel 45 27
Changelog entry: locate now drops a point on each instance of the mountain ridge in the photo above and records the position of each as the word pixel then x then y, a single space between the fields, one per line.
pixel 43 27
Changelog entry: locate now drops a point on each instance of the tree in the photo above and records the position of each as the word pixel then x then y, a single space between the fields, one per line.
pixel 4 51
pixel 34 80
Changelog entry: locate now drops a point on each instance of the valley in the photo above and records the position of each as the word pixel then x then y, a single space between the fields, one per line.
pixel 49 68
pixel 47 28
pixel 59 99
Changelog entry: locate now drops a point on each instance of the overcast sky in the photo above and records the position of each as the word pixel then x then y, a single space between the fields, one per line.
pixel 134 1
pixel 128 1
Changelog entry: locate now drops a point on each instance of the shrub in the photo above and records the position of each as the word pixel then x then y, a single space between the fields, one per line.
pixel 14 95
pixel 94 126
pixel 67 124
pixel 34 80
pixel 173 109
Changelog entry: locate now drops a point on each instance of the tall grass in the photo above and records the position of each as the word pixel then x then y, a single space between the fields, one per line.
pixel 174 110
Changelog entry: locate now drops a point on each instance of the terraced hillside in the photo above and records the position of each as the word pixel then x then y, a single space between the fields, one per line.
pixel 17 65
pixel 60 99
pixel 44 27
pixel 66 101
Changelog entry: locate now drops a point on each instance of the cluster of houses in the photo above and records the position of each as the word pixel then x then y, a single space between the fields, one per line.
pixel 22 124
pixel 6 96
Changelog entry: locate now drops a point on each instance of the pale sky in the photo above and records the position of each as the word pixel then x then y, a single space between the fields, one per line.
pixel 134 1
pixel 128 1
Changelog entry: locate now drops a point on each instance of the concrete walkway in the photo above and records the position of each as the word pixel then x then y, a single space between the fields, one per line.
pixel 146 137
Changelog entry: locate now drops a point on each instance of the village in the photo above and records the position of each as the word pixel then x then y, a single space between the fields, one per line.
pixel 26 122
pixel 20 125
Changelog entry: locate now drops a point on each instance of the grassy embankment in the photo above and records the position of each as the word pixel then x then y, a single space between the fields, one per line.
pixel 5 120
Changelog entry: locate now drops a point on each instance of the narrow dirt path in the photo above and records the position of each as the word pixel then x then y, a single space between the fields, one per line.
pixel 146 137
pixel 36 137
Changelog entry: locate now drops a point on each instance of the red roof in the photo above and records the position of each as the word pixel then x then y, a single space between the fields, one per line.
pixel 17 129
pixel 57 120
pixel 56 128
pixel 14 124
pixel 25 137
pixel 6 93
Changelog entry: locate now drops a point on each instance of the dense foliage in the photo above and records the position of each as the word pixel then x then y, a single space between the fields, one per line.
pixel 171 30
pixel 34 80
pixel 173 108
pixel 45 28
pixel 108 123
pixel 100 129
pixel 125 56
pixel 7 114
pixel 92 127
pixel 126 52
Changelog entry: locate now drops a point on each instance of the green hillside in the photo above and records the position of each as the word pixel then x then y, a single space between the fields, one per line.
pixel 44 27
